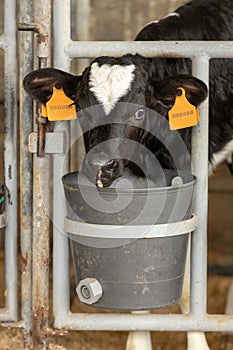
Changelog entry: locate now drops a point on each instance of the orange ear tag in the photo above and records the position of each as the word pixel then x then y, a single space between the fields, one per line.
pixel 60 107
pixel 183 114
pixel 44 113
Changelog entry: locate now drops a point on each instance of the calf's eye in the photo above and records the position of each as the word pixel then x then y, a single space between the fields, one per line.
pixel 139 114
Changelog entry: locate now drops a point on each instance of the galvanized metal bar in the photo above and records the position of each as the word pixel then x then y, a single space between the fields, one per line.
pixel 192 49
pixel 40 250
pixel 61 285
pixel 25 107
pixel 80 20
pixel 151 322
pixel 41 202
pixel 10 160
pixel 61 10
pixel 200 147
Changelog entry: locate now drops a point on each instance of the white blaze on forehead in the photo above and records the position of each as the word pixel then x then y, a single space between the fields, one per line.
pixel 110 83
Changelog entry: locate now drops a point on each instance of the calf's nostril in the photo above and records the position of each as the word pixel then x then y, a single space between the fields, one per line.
pixel 112 164
pixel 115 164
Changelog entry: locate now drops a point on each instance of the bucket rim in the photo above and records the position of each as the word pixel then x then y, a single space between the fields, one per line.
pixel 113 190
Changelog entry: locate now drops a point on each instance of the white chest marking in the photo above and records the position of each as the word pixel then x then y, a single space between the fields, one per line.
pixel 218 157
pixel 110 83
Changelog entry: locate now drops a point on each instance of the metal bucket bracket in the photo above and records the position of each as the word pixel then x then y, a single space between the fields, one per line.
pixel 54 142
pixel 130 231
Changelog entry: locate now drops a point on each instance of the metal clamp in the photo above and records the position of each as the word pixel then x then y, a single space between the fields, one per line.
pixel 130 231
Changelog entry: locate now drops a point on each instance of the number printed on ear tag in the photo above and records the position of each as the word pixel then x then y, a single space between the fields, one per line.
pixel 183 114
pixel 60 107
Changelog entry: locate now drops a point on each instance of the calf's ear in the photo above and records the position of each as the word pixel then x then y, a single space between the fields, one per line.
pixel 39 83
pixel 195 89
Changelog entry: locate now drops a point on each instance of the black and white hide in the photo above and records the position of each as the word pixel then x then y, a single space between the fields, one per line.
pixel 150 83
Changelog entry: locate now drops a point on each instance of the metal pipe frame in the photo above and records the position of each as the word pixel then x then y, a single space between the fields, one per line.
pixel 8 45
pixel 61 274
pixel 198 319
pixel 41 198
pixel 26 172
pixel 81 31
pixel 150 322
pixel 191 49
pixel 200 137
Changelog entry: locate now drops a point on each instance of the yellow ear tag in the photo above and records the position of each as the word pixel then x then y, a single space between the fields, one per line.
pixel 60 107
pixel 183 114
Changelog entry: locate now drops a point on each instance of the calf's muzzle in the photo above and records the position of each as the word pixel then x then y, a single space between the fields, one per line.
pixel 101 169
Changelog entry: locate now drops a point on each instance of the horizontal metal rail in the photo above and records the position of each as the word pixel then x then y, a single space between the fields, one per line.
pixel 191 49
pixel 151 322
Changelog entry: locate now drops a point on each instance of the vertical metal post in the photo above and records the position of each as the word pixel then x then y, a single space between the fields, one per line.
pixel 200 135
pixel 41 201
pixel 61 294
pixel 80 31
pixel 10 156
pixel 25 106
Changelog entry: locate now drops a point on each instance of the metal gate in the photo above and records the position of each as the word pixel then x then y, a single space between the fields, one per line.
pixel 35 185
pixel 198 319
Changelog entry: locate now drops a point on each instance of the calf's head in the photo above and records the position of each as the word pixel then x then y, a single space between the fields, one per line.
pixel 113 96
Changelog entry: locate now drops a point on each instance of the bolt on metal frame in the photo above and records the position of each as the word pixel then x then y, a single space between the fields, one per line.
pixel 8 45
pixel 197 320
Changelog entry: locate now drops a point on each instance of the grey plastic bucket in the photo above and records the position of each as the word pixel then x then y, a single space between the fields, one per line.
pixel 135 273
